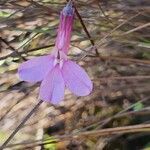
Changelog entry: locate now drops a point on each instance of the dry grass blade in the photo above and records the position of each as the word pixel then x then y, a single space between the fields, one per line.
pixel 137 28
pixel 117 27
pixel 96 133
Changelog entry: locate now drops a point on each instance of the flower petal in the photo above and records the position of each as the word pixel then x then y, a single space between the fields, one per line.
pixel 53 87
pixel 35 70
pixel 76 79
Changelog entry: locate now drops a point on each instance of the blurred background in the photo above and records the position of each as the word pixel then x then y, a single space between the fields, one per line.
pixel 120 30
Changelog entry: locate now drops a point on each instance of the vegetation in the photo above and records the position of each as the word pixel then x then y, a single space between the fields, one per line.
pixel 111 41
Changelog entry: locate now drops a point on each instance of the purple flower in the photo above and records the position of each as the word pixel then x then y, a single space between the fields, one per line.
pixel 55 71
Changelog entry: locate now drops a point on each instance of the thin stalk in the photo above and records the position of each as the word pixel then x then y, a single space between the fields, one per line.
pixel 20 125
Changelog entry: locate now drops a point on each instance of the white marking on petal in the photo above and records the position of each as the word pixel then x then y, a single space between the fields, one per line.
pixel 55 62
pixel 61 62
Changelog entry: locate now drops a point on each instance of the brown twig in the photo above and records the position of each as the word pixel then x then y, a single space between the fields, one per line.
pixel 117 130
pixel 95 133
pixel 12 48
